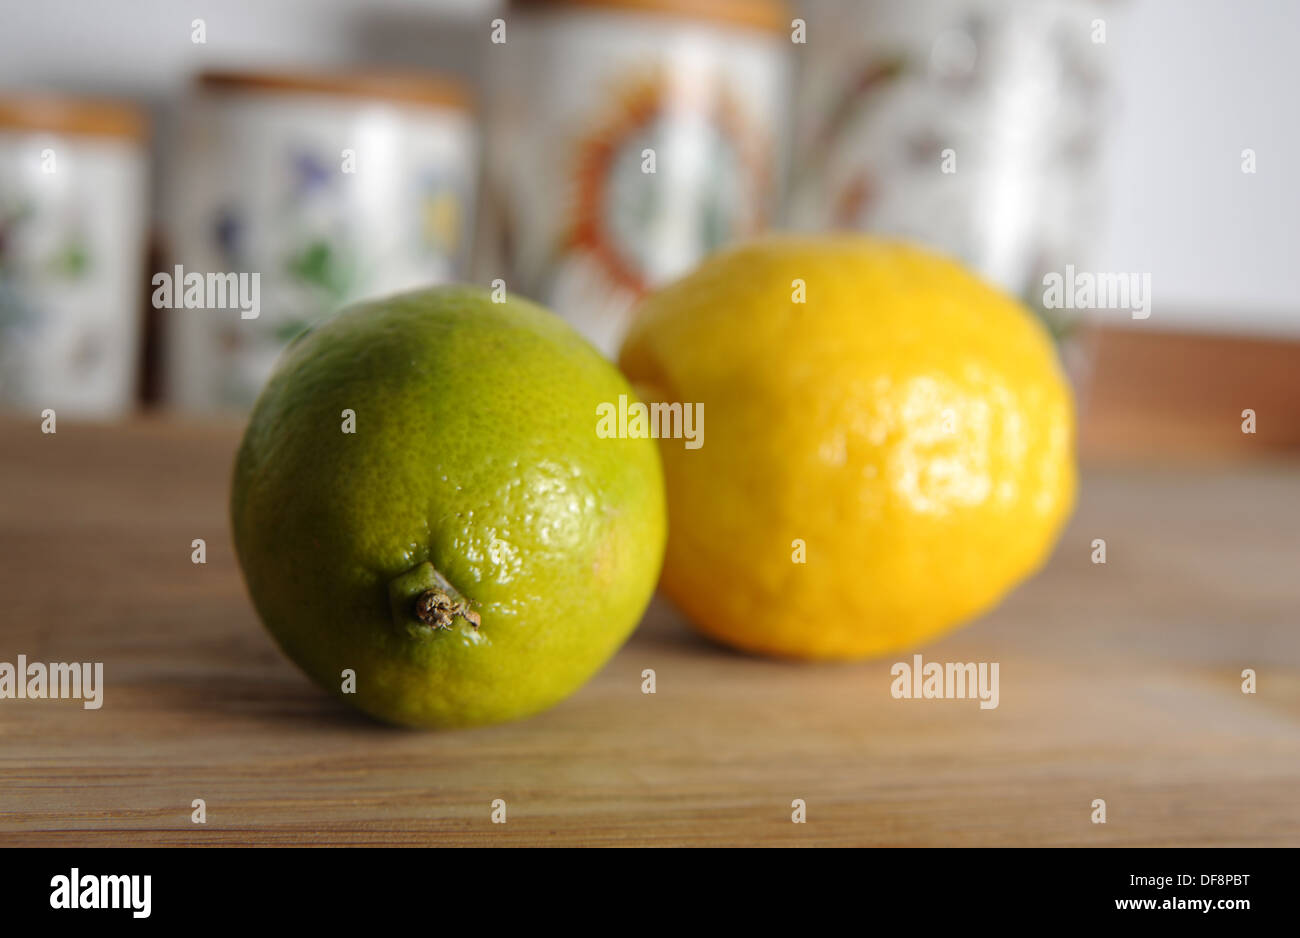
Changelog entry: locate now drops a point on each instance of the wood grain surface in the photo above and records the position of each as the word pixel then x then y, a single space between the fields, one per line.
pixel 1119 682
pixel 1149 392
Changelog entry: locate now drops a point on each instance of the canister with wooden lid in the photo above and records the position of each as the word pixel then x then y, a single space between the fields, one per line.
pixel 73 220
pixel 627 139
pixel 315 190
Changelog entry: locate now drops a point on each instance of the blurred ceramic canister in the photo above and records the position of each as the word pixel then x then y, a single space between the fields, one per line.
pixel 294 194
pixel 627 139
pixel 73 216
pixel 971 125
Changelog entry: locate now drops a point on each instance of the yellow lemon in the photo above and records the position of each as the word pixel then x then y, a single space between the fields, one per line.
pixel 887 448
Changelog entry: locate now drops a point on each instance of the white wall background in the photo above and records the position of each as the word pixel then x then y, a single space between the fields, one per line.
pixel 1196 82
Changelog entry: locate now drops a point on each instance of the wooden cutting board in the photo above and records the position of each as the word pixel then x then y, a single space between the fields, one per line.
pixel 1119 682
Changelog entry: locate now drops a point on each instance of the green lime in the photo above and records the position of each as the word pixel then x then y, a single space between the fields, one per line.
pixel 426 518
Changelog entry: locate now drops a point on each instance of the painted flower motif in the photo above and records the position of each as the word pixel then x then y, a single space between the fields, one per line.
pixel 310 173
pixel 228 230
pixel 441 215
pixel 613 208
pixel 20 278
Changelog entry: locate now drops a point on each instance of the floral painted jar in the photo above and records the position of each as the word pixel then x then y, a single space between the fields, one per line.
pixel 293 195
pixel 73 221
pixel 627 139
pixel 970 125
